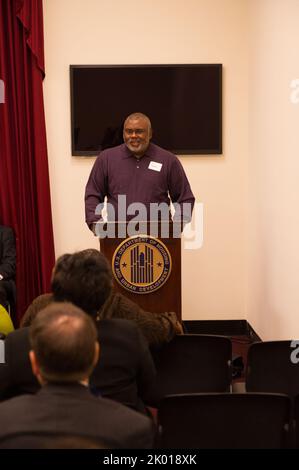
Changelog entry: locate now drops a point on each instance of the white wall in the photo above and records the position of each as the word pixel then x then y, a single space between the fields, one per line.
pixel 273 295
pixel 159 31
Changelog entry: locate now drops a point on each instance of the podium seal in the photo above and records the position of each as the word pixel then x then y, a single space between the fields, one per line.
pixel 141 264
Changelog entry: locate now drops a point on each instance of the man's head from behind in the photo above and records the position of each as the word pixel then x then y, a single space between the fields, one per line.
pixel 83 278
pixel 64 344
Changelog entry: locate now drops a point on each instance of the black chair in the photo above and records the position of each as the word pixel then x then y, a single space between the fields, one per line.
pixel 296 421
pixel 224 421
pixel 270 368
pixel 192 364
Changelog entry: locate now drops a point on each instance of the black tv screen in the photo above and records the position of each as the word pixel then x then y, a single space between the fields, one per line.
pixel 183 102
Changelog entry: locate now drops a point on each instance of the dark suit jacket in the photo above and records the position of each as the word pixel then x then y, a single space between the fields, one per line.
pixel 7 253
pixel 71 410
pixel 125 371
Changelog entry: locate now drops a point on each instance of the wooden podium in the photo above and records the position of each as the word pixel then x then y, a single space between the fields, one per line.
pixel 168 296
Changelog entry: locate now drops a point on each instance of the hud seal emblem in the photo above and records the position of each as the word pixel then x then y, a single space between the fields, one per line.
pixel 141 264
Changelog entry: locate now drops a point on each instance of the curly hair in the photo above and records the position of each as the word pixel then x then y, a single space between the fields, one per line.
pixel 83 278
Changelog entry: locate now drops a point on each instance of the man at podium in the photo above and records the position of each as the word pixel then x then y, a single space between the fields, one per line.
pixel 135 176
pixel 140 180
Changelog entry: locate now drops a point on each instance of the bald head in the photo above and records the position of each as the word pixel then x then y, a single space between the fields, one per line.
pixel 134 116
pixel 64 342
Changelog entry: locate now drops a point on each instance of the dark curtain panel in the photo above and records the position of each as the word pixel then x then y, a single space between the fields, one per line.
pixel 24 179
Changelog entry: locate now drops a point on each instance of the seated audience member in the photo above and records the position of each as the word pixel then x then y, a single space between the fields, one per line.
pixel 64 352
pixel 157 328
pixel 7 263
pixel 126 371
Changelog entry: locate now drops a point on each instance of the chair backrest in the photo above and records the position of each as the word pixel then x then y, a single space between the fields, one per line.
pixel 296 421
pixel 270 368
pixel 193 363
pixel 224 421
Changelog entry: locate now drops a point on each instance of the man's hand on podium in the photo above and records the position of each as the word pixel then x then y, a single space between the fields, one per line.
pixel 93 228
pixel 178 328
pixel 176 324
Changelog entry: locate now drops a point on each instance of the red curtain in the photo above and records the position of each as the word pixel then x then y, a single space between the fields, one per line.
pixel 24 179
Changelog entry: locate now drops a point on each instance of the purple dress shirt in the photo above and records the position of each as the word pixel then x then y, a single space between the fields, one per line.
pixel 151 179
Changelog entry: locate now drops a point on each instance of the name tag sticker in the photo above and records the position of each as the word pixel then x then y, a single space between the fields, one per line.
pixel 155 166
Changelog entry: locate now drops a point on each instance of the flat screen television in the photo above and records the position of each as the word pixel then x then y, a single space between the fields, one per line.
pixel 183 102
